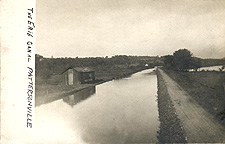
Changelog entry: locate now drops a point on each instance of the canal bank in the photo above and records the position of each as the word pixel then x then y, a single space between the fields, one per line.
pixel 171 130
pixel 197 125
pixel 47 93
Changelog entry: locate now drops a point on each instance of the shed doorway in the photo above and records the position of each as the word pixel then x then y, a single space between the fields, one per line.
pixel 70 78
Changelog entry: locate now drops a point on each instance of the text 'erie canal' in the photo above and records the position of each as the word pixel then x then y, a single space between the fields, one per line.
pixel 30 67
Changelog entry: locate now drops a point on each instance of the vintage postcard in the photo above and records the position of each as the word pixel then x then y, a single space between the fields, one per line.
pixel 113 71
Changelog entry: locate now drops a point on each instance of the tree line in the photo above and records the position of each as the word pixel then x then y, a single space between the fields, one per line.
pixel 45 67
pixel 183 60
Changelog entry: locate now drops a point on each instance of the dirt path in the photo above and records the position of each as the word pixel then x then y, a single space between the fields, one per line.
pixel 199 126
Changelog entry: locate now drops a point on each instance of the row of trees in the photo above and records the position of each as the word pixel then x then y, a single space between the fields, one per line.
pixel 48 66
pixel 181 60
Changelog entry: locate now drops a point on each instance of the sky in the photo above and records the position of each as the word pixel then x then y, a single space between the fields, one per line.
pixel 93 28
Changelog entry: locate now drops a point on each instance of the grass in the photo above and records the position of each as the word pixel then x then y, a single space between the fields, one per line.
pixel 206 87
pixel 171 130
pixel 106 74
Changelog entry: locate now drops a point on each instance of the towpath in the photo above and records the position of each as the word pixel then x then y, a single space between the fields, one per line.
pixel 199 126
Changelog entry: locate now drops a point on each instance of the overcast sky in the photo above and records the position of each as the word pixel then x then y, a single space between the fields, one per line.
pixel 70 28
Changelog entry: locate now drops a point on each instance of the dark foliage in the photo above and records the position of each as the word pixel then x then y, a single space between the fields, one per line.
pixel 181 60
pixel 46 67
pixel 212 62
pixel 168 61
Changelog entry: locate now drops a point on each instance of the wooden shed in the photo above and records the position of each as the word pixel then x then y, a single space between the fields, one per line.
pixel 78 75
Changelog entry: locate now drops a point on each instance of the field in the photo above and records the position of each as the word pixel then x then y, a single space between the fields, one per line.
pixel 206 87
pixel 107 74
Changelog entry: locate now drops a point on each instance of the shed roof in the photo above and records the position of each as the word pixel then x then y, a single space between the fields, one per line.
pixel 83 69
pixel 80 69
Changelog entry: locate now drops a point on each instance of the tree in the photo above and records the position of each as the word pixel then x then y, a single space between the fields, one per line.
pixel 120 60
pixel 38 57
pixel 168 61
pixel 196 63
pixel 182 60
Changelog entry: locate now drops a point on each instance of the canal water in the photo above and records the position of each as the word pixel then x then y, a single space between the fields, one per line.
pixel 119 111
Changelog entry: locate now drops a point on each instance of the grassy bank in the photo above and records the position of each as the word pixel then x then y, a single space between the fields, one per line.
pixel 170 126
pixel 45 93
pixel 106 74
pixel 206 87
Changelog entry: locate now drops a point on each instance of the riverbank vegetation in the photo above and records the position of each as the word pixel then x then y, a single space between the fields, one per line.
pixel 49 84
pixel 171 130
pixel 183 60
pixel 105 68
pixel 206 87
pixel 48 71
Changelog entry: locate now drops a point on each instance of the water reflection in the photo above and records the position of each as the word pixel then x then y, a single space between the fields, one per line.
pixel 79 96
pixel 119 111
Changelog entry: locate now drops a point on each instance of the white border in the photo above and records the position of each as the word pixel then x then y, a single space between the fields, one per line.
pixel 14 24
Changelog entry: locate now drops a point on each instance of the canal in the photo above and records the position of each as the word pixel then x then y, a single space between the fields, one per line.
pixel 118 111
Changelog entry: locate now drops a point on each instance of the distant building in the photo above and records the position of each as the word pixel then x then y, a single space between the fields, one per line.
pixel 78 75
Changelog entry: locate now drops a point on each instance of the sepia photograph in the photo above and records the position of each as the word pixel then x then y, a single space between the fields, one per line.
pixel 127 71
pixel 131 71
